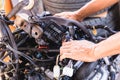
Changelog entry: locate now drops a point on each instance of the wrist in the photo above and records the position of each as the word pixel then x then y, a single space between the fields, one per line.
pixel 92 54
pixel 79 15
pixel 98 51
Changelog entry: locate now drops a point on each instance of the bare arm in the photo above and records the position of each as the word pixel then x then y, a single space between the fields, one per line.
pixel 108 47
pixel 93 7
pixel 90 8
pixel 87 51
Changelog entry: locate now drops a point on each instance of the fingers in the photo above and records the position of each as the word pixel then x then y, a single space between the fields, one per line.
pixel 65 52
pixel 77 50
pixel 57 15
pixel 66 15
pixel 69 43
pixel 60 15
pixel 66 43
pixel 65 55
pixel 67 47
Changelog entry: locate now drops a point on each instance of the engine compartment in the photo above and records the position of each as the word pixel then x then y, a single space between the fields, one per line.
pixel 31 51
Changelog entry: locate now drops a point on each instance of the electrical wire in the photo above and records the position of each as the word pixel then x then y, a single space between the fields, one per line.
pixel 21 54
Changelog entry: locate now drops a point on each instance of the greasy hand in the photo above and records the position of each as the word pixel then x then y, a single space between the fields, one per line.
pixel 78 50
pixel 69 15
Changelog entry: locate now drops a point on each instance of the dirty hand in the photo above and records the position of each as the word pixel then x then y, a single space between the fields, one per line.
pixel 78 50
pixel 69 15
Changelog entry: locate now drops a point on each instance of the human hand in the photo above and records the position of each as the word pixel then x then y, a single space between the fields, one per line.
pixel 78 50
pixel 69 15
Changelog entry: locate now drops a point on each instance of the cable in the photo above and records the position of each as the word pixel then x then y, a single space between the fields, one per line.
pixel 21 54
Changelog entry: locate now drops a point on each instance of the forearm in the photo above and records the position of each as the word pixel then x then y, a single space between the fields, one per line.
pixel 93 7
pixel 108 47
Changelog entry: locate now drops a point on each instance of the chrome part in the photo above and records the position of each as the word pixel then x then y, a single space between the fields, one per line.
pixel 37 32
pixel 30 5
